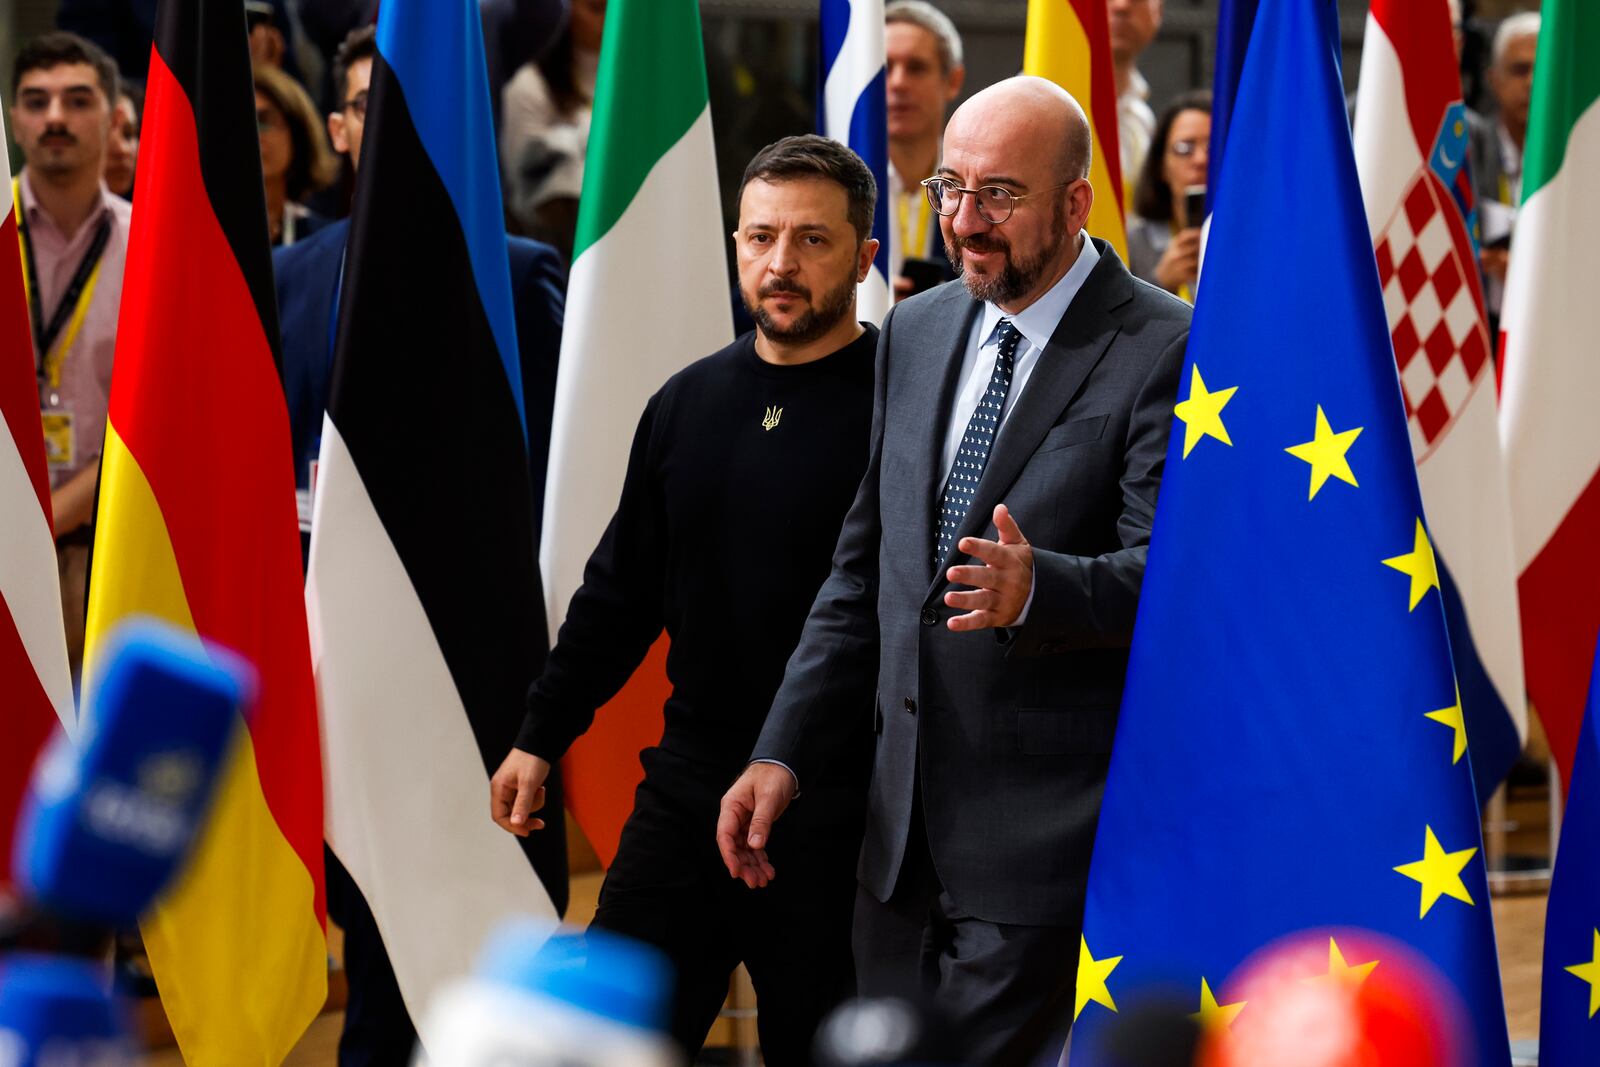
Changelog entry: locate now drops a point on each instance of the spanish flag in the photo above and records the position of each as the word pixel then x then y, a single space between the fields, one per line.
pixel 1069 42
pixel 197 526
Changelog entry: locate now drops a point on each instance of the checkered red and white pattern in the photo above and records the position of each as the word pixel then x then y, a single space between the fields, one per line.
pixel 1441 343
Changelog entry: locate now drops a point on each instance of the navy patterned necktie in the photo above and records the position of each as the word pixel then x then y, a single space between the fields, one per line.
pixel 962 485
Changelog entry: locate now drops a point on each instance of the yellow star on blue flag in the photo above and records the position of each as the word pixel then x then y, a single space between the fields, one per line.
pixel 1273 772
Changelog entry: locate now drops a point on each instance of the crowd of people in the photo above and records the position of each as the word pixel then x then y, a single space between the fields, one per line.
pixel 949 896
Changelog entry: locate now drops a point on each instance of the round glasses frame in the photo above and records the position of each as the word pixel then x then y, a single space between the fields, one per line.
pixel 995 203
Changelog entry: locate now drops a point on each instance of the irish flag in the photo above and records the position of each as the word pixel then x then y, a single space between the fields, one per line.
pixel 197 527
pixel 1069 42
pixel 1551 375
pixel 648 295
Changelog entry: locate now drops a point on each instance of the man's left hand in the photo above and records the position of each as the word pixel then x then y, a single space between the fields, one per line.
pixel 1001 586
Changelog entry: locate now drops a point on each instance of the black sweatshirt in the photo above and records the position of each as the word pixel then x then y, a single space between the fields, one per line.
pixel 738 481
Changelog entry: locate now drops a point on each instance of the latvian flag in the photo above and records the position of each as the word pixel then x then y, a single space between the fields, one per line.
pixel 1411 151
pixel 423 590
pixel 197 526
pixel 34 681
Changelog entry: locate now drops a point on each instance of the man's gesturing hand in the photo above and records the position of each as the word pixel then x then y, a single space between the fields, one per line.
pixel 1001 586
pixel 749 809
pixel 517 791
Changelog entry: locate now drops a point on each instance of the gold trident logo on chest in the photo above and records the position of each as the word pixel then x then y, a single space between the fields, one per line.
pixel 770 421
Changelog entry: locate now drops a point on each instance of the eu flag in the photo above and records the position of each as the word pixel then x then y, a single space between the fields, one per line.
pixel 1290 754
pixel 1569 1006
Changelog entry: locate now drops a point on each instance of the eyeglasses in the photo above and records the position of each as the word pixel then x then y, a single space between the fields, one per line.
pixel 357 105
pixel 995 204
pixel 1185 149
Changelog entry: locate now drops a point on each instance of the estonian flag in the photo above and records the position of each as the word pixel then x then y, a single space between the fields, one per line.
pixel 425 602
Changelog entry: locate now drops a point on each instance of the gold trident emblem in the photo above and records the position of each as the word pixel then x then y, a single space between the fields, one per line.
pixel 770 422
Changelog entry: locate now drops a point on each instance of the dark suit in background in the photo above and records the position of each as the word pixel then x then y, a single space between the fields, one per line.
pixel 378 1032
pixel 992 747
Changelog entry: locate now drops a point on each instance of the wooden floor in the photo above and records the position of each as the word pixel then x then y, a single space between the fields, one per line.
pixel 1518 918
pixel 1519 928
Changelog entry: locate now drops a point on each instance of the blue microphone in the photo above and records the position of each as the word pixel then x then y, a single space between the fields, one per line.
pixel 58 1010
pixel 109 820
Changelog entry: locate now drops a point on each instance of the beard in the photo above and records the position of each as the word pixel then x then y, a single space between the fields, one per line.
pixel 1014 280
pixel 815 321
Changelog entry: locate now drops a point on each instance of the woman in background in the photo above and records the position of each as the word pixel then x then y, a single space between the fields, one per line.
pixel 122 148
pixel 545 112
pixel 1163 240
pixel 295 158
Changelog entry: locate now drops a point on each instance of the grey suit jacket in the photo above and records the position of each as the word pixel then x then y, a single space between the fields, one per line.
pixel 1007 737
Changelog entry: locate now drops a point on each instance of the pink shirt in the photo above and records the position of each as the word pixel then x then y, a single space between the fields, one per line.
pixel 86 371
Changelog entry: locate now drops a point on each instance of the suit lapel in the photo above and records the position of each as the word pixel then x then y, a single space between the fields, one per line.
pixel 1080 340
pixel 933 392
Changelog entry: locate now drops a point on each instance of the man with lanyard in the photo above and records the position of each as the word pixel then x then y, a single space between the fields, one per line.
pixel 74 237
pixel 924 73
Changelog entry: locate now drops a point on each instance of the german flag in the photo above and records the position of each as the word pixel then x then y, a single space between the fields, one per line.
pixel 1069 42
pixel 197 526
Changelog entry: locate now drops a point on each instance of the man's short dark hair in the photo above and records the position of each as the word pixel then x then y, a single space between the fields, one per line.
pixel 59 47
pixel 811 156
pixel 360 43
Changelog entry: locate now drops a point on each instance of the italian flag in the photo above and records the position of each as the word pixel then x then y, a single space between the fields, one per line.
pixel 648 295
pixel 1069 42
pixel 1552 376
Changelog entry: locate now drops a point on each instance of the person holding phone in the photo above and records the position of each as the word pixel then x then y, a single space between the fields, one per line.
pixel 1169 200
pixel 923 75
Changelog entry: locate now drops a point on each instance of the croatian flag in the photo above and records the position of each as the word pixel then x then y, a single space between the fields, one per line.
pixel 854 110
pixel 1411 145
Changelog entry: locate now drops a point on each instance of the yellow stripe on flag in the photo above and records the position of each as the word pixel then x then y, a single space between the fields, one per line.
pixel 1057 47
pixel 193 938
pixel 131 545
pixel 243 873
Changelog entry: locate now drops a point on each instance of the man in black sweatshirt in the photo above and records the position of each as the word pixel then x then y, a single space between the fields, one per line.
pixel 741 472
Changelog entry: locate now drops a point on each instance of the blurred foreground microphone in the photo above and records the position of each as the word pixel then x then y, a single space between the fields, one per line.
pixel 569 1000
pixel 108 821
pixel 57 1010
pixel 880 1031
pixel 106 826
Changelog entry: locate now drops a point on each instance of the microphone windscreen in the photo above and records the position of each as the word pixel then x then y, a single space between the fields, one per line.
pixel 55 1010
pixel 109 820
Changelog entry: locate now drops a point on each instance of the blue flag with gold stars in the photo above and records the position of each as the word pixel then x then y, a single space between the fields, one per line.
pixel 1569 1007
pixel 1290 754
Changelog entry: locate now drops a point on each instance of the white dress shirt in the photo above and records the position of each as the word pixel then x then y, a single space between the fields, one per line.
pixel 1036 322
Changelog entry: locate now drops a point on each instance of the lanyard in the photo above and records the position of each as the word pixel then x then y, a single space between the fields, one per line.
pixel 74 306
pixel 920 249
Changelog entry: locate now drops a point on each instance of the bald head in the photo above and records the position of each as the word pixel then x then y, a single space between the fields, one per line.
pixel 1023 116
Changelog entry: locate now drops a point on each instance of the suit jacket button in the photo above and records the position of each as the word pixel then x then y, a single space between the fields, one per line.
pixel 929 616
pixel 911 705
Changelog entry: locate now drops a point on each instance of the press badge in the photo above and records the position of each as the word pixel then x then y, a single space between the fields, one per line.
pixel 59 439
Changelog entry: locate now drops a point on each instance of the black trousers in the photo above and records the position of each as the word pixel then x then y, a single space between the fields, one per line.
pixel 1006 990
pixel 669 888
